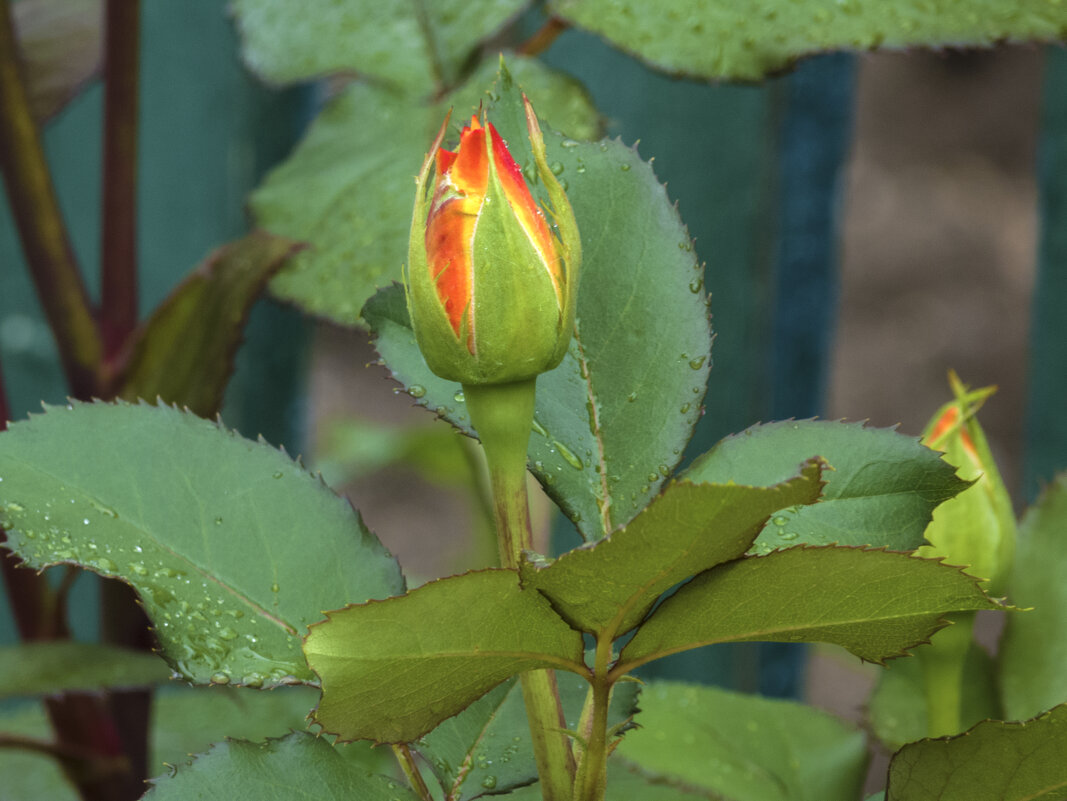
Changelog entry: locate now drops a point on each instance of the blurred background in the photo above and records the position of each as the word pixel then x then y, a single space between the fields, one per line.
pixel 868 222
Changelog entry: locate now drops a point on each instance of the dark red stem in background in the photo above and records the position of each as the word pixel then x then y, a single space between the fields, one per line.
pixel 35 209
pixel 118 258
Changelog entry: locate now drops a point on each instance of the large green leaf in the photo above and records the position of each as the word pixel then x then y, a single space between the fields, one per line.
pixel 232 546
pixel 897 707
pixel 607 588
pixel 49 668
pixel 994 761
pixel 184 352
pixel 299 765
pixel 881 491
pixel 1033 651
pixel 747 40
pixel 486 748
pixel 392 670
pixel 414 46
pixel 744 747
pixel 877 604
pixel 348 188
pixel 60 42
pixel 613 418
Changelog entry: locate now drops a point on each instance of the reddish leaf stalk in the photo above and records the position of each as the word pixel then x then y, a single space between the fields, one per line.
pixel 40 224
pixel 544 37
pixel 118 260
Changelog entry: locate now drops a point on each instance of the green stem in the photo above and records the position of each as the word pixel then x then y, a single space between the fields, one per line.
pixel 503 417
pixel 407 764
pixel 118 261
pixel 35 209
pixel 592 778
pixel 943 663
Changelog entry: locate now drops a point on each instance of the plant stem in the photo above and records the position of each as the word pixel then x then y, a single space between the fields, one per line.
pixel 943 664
pixel 118 260
pixel 591 781
pixel 411 770
pixel 503 416
pixel 40 225
pixel 543 37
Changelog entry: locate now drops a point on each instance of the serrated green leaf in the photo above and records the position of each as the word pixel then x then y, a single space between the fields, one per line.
pixel 184 352
pixel 187 720
pixel 747 41
pixel 1033 651
pixel 994 761
pixel 392 670
pixel 60 42
pixel 415 47
pixel 232 546
pixel 877 604
pixel 486 748
pixel 897 707
pixel 744 747
pixel 613 418
pixel 607 588
pixel 50 668
pixel 881 491
pixel 348 188
pixel 299 765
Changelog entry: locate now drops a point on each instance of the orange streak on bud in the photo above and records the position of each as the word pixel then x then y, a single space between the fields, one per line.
pixel 949 419
pixel 457 201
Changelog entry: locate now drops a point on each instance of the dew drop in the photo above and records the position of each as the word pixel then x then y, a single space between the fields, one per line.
pixel 218 521
pixel 540 429
pixel 696 285
pixel 780 521
pixel 569 456
pixel 227 633
pixel 556 167
pixel 85 521
pixel 220 678
pixel 569 143
pixel 631 397
pixel 489 782
pixel 459 397
pixel 417 391
pixel 696 364
pixel 652 477
pixel 274 587
pixel 138 568
pixel 685 408
pixel 788 535
pixel 277 474
pixel 625 167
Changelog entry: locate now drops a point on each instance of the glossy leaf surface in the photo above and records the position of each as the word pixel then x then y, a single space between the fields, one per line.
pixel 994 761
pixel 744 747
pixel 749 40
pixel 689 528
pixel 877 604
pixel 232 546
pixel 881 491
pixel 299 765
pixel 392 670
pixel 414 47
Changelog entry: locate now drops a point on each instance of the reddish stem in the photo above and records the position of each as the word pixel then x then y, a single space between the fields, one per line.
pixel 544 37
pixel 118 259
pixel 35 209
